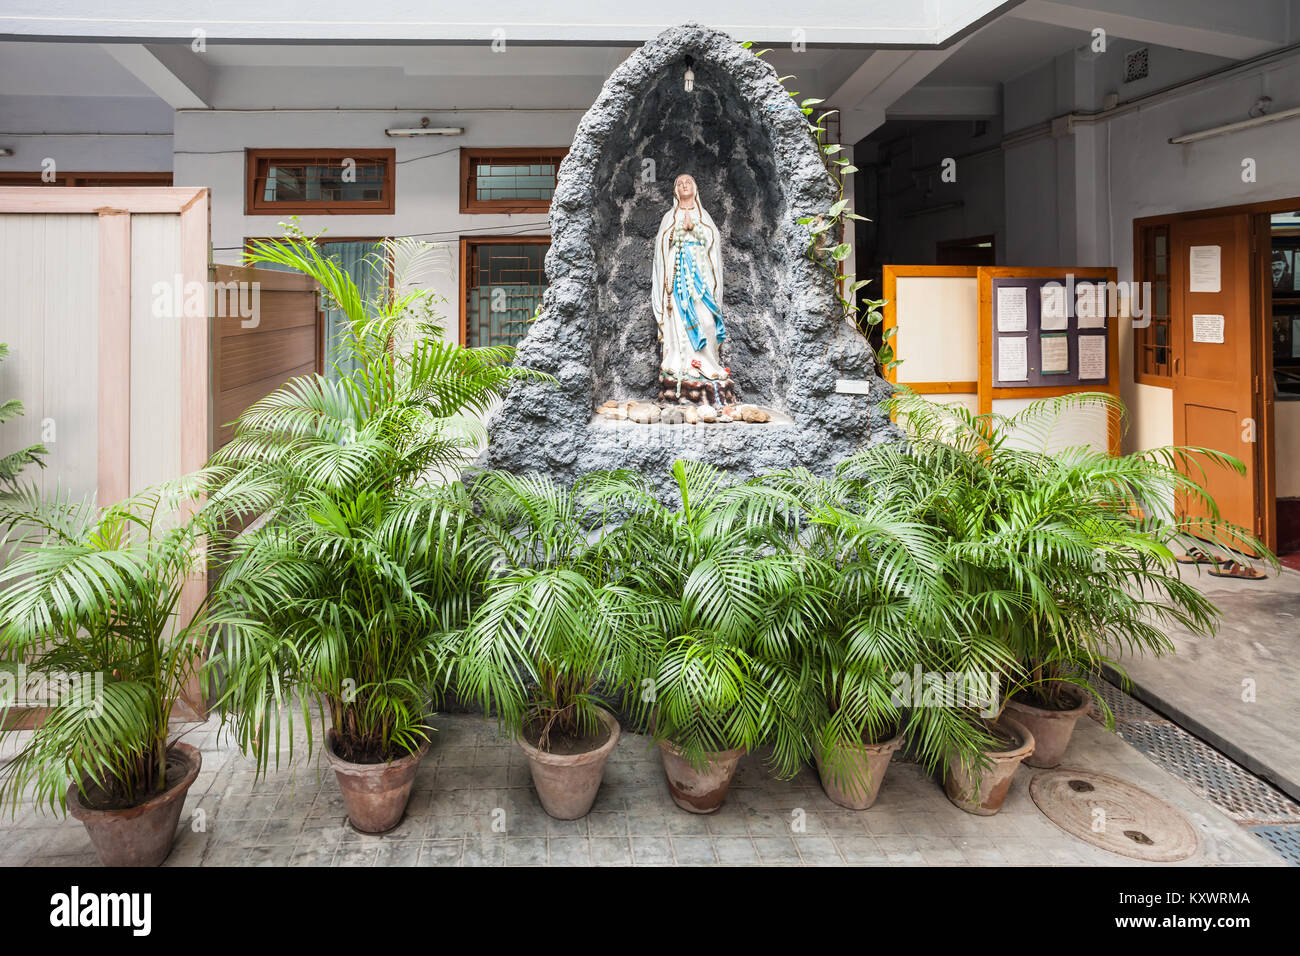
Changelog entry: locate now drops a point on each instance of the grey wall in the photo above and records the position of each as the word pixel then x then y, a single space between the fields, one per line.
pixel 902 177
pixel 145 147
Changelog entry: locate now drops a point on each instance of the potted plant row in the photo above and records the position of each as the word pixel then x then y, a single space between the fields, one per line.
pixel 774 614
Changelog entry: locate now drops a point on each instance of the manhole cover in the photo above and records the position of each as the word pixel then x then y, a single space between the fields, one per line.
pixel 1114 815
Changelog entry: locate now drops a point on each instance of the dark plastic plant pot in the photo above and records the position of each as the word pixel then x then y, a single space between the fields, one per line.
pixel 1052 729
pixel 143 835
pixel 861 772
pixel 567 784
pixel 983 793
pixel 375 794
pixel 696 791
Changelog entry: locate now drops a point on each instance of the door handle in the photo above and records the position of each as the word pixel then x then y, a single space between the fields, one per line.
pixel 1178 365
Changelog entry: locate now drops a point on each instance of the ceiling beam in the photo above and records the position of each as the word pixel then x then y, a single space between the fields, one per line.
pixel 178 76
pixel 878 83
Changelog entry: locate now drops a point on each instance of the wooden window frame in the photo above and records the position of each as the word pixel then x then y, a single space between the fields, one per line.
pixel 255 205
pixel 465 243
pixel 469 155
pixel 100 180
pixel 1144 236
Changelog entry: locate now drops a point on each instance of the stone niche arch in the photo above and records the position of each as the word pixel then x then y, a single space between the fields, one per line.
pixel 745 141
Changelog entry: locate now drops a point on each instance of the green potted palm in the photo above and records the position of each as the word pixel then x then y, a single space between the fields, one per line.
pixel 727 672
pixel 891 655
pixel 1067 549
pixel 364 560
pixel 93 614
pixel 560 636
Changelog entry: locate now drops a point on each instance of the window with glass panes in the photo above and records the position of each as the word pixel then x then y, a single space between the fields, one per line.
pixel 504 281
pixel 1152 348
pixel 508 179
pixel 329 181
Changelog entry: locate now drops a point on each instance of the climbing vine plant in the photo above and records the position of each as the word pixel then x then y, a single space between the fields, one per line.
pixel 826 244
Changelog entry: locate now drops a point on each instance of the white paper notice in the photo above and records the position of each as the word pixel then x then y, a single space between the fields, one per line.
pixel 1092 357
pixel 1207 328
pixel 1056 353
pixel 1091 304
pixel 1013 309
pixel 1013 359
pixel 1053 315
pixel 1205 268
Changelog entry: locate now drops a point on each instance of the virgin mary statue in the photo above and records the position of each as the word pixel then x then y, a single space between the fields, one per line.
pixel 686 291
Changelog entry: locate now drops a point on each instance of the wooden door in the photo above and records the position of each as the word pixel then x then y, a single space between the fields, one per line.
pixel 1215 383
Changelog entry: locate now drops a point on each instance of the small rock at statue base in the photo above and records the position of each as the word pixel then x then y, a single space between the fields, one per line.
pixel 643 413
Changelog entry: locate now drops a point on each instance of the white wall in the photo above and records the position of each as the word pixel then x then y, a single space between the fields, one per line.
pixel 210 152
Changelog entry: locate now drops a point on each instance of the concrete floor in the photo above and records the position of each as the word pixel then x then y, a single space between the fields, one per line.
pixel 1201 686
pixel 471 778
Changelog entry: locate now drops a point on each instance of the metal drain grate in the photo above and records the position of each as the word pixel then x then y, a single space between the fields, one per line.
pixel 1126 709
pixel 1284 840
pixel 1240 794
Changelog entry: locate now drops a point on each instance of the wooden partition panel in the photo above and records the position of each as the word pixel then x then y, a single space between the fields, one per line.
pixel 254 355
pixel 147 322
pixel 944 337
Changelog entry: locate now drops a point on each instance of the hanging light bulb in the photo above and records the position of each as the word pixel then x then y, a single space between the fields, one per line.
pixel 690 74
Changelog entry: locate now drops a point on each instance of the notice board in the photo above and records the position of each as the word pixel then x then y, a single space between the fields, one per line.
pixel 1047 332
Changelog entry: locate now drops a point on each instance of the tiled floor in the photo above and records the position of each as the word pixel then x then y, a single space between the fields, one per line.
pixel 474 804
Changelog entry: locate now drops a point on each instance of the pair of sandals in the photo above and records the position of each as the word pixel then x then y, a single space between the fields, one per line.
pixel 1222 568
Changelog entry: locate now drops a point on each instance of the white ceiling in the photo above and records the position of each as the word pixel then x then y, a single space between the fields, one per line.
pixel 1003 50
pixel 64 69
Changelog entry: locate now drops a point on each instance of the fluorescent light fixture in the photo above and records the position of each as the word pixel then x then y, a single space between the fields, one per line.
pixel 1234 127
pixel 426 131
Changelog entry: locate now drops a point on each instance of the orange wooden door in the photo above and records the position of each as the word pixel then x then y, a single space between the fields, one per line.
pixel 1214 381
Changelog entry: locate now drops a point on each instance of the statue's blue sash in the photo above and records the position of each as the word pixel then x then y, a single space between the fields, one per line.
pixel 689 280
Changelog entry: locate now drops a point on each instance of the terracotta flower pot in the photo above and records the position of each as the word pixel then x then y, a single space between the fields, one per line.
pixel 1052 729
pixel 143 835
pixel 985 797
pixel 567 783
pixel 695 791
pixel 375 794
pixel 860 772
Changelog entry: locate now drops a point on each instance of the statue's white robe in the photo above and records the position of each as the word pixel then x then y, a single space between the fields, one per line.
pixel 677 352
